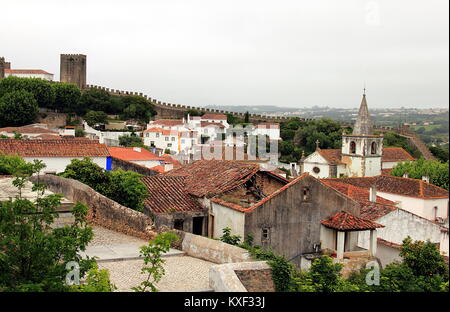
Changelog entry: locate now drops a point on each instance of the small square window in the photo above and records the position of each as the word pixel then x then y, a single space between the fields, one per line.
pixel 306 194
pixel 265 234
pixel 167 138
pixel 173 139
pixel 169 144
pixel 157 135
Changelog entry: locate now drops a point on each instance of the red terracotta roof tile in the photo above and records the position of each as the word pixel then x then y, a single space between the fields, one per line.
pixel 168 122
pixel 167 194
pixel 211 177
pixel 53 148
pixel 27 129
pixel 390 244
pixel 397 185
pixel 333 156
pixel 159 169
pixel 163 131
pixel 26 71
pixel 168 159
pixel 129 153
pixel 344 221
pixel 391 154
pixel 214 116
pixel 207 124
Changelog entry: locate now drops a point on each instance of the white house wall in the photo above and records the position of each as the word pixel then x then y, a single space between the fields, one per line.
pixel 316 160
pixel 400 224
pixel 58 164
pixel 422 207
pixel 227 217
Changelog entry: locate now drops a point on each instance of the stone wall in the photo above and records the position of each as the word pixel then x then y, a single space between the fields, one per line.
pixel 210 249
pixel 73 69
pixel 127 165
pixel 241 277
pixel 52 119
pixel 256 279
pixel 102 210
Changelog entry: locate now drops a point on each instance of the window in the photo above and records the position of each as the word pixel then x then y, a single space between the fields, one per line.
pixel 352 147
pixel 306 193
pixel 167 138
pixel 147 135
pixel 169 144
pixel 182 141
pixel 173 139
pixel 157 135
pixel 265 234
pixel 316 170
pixel 178 224
pixel 152 143
pixel 435 212
pixel 373 148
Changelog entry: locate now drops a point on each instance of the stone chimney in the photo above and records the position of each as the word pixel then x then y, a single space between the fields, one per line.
pixel 426 178
pixel 373 194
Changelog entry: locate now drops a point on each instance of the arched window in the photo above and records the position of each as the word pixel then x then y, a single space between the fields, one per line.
pixel 352 147
pixel 373 149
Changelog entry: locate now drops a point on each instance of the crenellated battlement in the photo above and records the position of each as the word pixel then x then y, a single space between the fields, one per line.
pixel 170 110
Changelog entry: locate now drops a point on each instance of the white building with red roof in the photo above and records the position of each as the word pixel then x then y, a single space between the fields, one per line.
pixel 29 73
pixel 137 155
pixel 57 154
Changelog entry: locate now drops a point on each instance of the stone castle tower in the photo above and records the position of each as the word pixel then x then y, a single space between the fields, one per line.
pixel 362 150
pixel 73 69
pixel 2 67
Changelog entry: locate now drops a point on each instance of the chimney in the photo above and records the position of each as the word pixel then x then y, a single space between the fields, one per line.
pixel 373 194
pixel 406 175
pixel 137 149
pixel 426 178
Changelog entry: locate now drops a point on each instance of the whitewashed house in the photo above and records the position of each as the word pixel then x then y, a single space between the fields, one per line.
pixel 29 73
pixel 57 154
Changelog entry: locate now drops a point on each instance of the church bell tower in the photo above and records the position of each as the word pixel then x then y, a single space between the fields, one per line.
pixel 362 150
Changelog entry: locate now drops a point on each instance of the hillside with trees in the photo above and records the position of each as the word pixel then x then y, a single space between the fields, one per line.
pixel 21 99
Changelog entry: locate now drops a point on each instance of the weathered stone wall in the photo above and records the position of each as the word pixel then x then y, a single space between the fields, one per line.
pixel 256 280
pixel 2 67
pixel 241 277
pixel 210 249
pixel 52 119
pixel 73 69
pixel 293 222
pixel 102 210
pixel 127 165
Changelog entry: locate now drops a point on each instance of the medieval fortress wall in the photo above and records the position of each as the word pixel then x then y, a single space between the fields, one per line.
pixel 178 111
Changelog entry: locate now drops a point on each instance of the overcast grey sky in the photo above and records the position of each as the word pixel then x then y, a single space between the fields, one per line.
pixel 243 52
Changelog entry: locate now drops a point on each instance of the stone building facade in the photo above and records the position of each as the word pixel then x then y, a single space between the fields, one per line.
pixel 73 69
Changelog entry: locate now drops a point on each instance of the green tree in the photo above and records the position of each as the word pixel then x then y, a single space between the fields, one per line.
pixel 11 164
pixel 137 108
pixel 233 120
pixel 126 188
pixel 228 238
pixel 439 152
pixel 437 171
pixel 79 133
pixel 89 173
pixel 131 140
pixel 96 281
pixel 33 255
pixel 67 97
pixel 247 117
pixel 94 99
pixel 95 117
pixel 153 262
pixel 392 139
pixel 17 108
pixel 41 89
